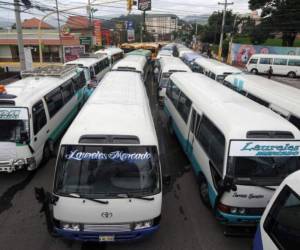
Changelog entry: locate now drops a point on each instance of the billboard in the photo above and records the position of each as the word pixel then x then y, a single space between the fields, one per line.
pixel 144 5
pixel 130 35
pixel 97 32
pixel 73 52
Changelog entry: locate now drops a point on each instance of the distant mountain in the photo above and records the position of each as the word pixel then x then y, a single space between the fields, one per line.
pixel 6 23
pixel 201 19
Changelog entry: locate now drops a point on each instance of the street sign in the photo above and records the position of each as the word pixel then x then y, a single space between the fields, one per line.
pixel 85 40
pixel 73 52
pixel 129 25
pixel 130 35
pixel 144 5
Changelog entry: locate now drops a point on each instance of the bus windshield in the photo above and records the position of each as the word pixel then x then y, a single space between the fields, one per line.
pixel 107 171
pixel 271 170
pixel 14 125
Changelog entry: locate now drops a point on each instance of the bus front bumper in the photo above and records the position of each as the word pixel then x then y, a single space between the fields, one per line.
pixel 115 236
pixel 238 220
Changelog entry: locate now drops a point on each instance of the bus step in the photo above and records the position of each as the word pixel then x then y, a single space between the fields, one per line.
pixel 235 231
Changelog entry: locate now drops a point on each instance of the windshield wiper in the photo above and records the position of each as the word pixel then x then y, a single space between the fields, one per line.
pixel 127 195
pixel 74 195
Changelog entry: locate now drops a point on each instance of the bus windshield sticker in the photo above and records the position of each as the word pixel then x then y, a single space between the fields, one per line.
pixel 265 148
pixel 13 114
pixel 115 155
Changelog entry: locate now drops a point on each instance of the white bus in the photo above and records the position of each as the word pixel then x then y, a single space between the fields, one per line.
pixel 108 177
pixel 168 65
pixel 213 68
pixel 35 111
pixel 133 63
pixel 240 151
pixel 279 225
pixel 288 65
pixel 95 67
pixel 113 54
pixel 281 98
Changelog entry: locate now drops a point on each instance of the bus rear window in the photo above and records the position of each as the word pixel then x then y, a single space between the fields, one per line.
pixel 253 61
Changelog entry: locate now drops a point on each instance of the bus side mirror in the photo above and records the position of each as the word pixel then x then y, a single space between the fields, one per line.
pixel 24 136
pixel 166 180
pixel 228 184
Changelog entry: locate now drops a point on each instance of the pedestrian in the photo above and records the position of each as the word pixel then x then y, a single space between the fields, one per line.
pixel 270 72
pixel 156 71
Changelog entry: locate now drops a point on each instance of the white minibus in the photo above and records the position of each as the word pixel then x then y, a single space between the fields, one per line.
pixel 113 54
pixel 168 65
pixel 213 68
pixel 281 98
pixel 95 67
pixel 133 63
pixel 107 183
pixel 288 65
pixel 279 226
pixel 35 111
pixel 240 151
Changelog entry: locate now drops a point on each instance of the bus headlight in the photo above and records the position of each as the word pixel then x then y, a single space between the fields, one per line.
pixel 70 226
pixel 143 224
pixel 19 162
pixel 233 210
pixel 242 210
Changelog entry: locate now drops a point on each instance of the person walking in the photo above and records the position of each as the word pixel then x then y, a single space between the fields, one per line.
pixel 270 72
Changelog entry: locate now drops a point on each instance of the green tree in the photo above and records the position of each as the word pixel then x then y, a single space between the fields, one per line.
pixel 279 16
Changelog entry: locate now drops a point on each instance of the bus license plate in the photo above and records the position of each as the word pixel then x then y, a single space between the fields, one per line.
pixel 107 238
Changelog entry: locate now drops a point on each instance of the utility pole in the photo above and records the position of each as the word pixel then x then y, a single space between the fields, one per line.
pixel 59 34
pixel 222 28
pixel 20 35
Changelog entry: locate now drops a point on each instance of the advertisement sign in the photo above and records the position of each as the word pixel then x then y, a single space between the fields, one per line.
pixel 265 148
pixel 73 52
pixel 13 114
pixel 130 35
pixel 97 32
pixel 144 5
pixel 240 53
pixel 86 40
pixel 28 58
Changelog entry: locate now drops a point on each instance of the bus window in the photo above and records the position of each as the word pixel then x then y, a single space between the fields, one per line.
pixel 67 91
pixel 265 61
pixel 173 93
pixel 282 223
pixel 253 61
pixel 294 120
pixel 38 117
pixel 184 106
pixel 258 100
pixel 293 62
pixel 54 101
pixel 280 61
pixel 212 75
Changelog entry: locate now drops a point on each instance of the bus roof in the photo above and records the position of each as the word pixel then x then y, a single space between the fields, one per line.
pixel 133 62
pixel 115 108
pixel 31 89
pixel 284 96
pixel 86 61
pixel 140 52
pixel 109 51
pixel 231 112
pixel 277 56
pixel 169 64
pixel 190 56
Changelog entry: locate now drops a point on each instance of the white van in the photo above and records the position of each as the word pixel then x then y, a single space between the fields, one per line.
pixel 240 151
pixel 113 54
pixel 279 225
pixel 281 98
pixel 95 67
pixel 213 68
pixel 133 63
pixel 107 183
pixel 168 66
pixel 288 65
pixel 35 111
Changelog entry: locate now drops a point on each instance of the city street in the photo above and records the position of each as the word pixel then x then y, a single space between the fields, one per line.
pixel 186 222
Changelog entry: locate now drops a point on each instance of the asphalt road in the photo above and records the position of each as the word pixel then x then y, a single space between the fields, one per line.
pixel 186 222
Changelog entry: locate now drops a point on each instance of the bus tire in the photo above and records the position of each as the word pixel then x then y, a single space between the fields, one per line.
pixel 46 153
pixel 203 190
pixel 254 71
pixel 170 126
pixel 291 74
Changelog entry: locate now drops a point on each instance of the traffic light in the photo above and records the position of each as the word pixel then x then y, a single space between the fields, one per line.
pixel 129 5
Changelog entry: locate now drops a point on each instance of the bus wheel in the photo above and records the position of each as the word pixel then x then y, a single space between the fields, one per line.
pixel 203 189
pixel 292 74
pixel 254 71
pixel 46 153
pixel 170 127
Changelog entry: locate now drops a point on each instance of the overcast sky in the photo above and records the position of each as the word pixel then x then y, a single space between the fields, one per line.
pixel 109 8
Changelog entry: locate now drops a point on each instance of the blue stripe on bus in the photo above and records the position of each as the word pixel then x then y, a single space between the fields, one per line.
pixel 240 218
pixel 258 244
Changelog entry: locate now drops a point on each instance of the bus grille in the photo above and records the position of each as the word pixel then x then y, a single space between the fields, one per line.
pixel 107 227
pixel 5 166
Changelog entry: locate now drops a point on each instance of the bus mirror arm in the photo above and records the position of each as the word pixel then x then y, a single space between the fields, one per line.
pixel 166 180
pixel 228 184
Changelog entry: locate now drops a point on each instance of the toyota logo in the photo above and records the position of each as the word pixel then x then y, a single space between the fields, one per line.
pixel 106 215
